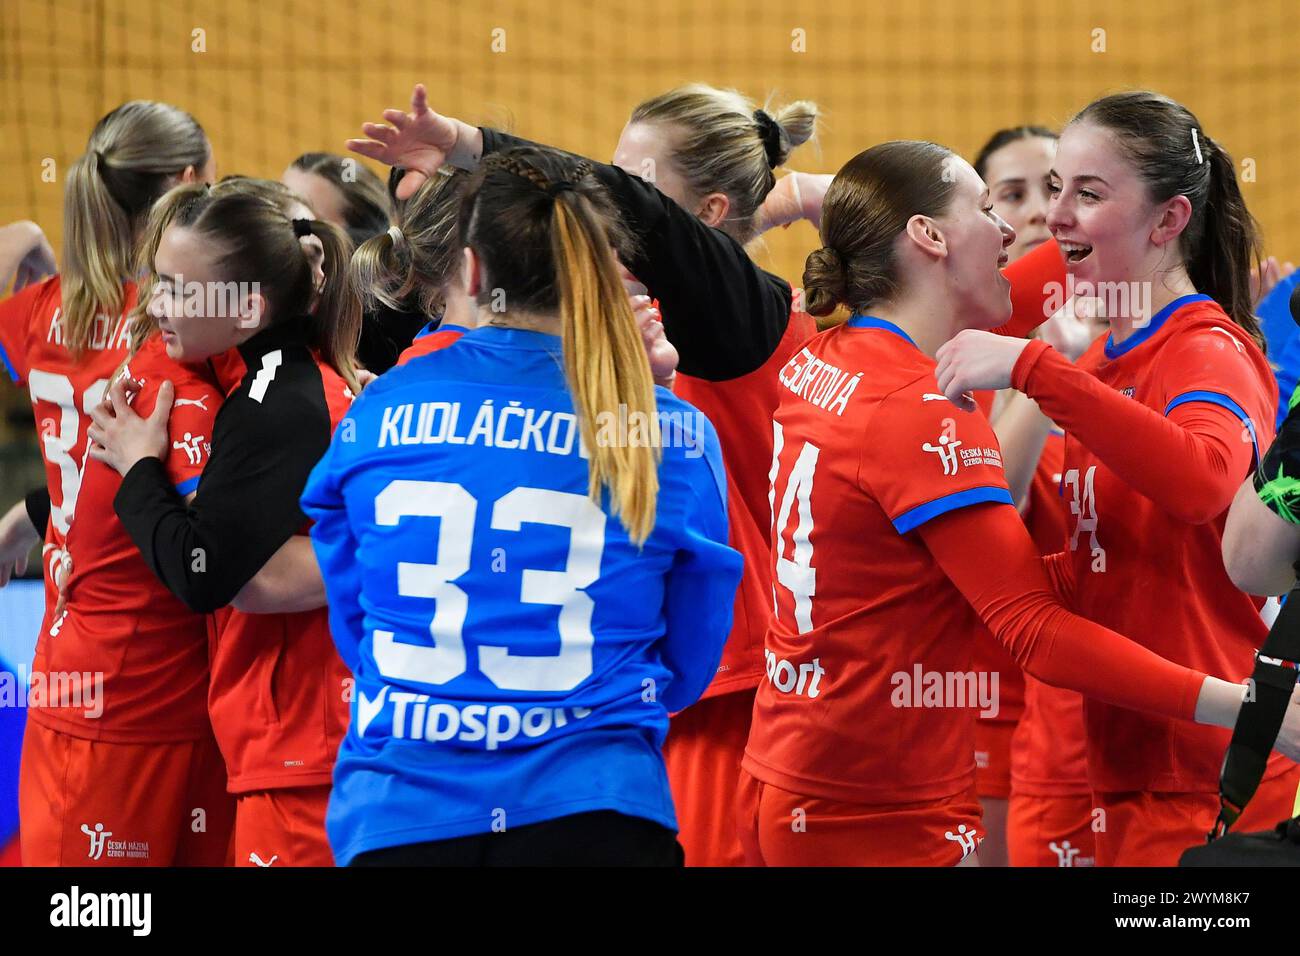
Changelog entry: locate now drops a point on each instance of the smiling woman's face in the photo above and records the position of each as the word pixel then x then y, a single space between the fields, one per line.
pixel 186 264
pixel 1101 211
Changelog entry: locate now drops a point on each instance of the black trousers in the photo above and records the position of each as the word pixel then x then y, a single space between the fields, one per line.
pixel 599 838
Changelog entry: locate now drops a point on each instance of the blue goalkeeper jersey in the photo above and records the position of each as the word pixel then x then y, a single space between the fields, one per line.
pixel 516 656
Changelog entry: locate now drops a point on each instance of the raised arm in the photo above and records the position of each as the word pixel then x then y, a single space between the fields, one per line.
pixel 723 313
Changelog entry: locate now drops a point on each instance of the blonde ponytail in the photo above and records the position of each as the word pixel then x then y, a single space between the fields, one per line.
pixel 408 267
pixel 606 367
pixel 133 155
pixel 720 143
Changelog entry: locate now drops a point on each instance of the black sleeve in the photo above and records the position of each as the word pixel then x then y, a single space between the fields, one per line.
pixel 723 313
pixel 247 502
pixel 38 508
pixel 385 335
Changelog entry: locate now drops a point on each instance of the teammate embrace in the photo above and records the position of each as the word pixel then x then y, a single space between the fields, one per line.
pixel 500 605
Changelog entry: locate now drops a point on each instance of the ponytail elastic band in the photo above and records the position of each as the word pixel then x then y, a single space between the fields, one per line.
pixel 555 188
pixel 769 131
pixel 302 227
pixel 1196 145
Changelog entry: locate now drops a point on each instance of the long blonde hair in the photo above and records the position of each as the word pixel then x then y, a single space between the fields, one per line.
pixel 546 233
pixel 721 142
pixel 131 158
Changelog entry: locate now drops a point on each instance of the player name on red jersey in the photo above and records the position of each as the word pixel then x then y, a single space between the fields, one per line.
pixel 106 333
pixel 818 382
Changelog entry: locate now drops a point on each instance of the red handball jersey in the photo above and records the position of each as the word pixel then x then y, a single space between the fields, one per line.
pixel 122 634
pixel 867 449
pixel 1048 749
pixel 64 387
pixel 278 697
pixel 428 342
pixel 737 407
pixel 1147 485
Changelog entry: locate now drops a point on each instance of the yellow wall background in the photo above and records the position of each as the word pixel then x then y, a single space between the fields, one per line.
pixel 276 78
pixel 279 77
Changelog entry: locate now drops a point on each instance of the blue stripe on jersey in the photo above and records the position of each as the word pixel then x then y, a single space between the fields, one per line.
pixel 871 322
pixel 9 366
pixel 915 517
pixel 1223 401
pixel 1157 320
pixel 188 485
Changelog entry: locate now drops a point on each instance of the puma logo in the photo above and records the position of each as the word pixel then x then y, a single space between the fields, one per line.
pixel 257 860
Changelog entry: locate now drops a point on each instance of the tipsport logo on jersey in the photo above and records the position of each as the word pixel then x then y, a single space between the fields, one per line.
pixel 404 715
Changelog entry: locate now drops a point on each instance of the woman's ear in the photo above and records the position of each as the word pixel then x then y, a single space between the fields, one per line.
pixel 471 273
pixel 925 233
pixel 1171 219
pixel 252 312
pixel 713 209
pixel 188 175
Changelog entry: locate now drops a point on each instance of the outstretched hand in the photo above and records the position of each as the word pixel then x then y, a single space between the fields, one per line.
pixel 420 141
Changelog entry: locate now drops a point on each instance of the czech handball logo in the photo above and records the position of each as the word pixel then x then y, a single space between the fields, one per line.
pixel 193 446
pixel 947 447
pixel 965 837
pixel 98 838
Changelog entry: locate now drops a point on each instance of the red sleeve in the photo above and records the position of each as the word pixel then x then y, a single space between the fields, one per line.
pixel 189 432
pixel 1060 571
pixel 1014 598
pixel 15 327
pixel 1037 289
pixel 195 403
pixel 943 457
pixel 1190 463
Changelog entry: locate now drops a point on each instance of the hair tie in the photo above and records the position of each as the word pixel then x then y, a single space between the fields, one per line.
pixel 395 233
pixel 769 131
pixel 302 227
pixel 1196 145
